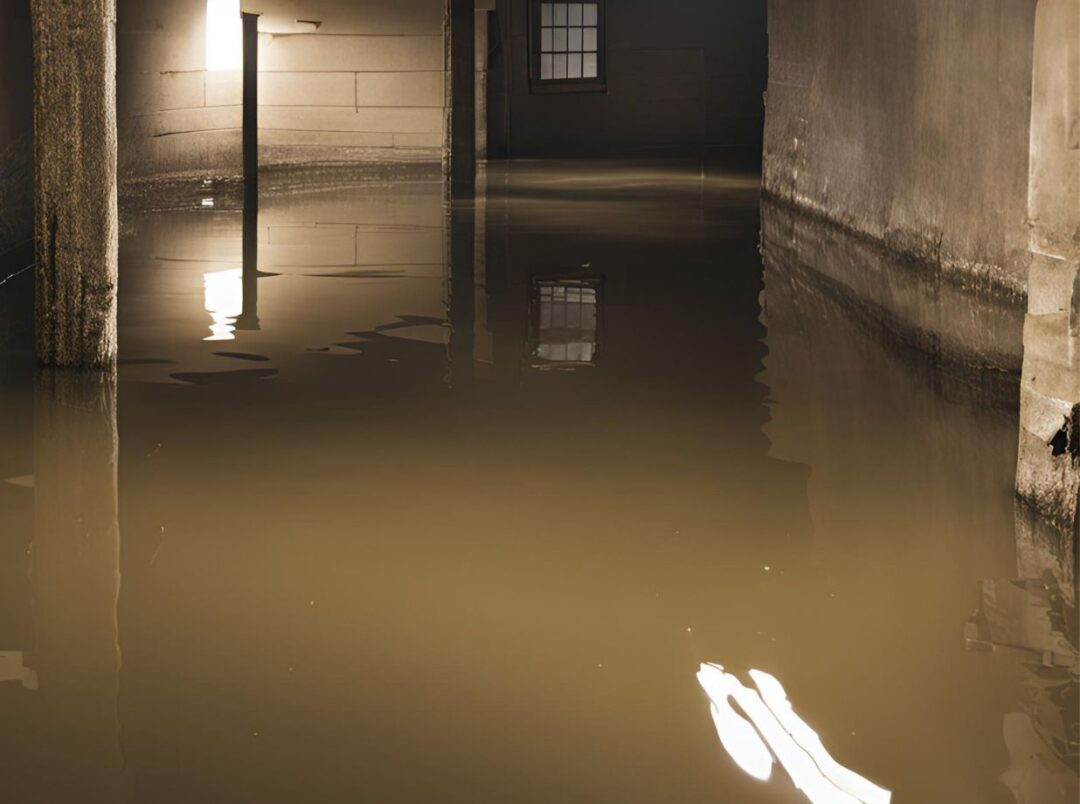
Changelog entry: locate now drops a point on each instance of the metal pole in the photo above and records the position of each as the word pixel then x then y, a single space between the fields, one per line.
pixel 251 111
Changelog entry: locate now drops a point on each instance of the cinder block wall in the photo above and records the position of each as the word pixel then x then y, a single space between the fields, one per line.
pixel 360 80
pixel 339 81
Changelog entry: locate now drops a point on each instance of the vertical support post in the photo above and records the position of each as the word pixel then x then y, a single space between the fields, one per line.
pixel 75 206
pixel 249 315
pixel 251 110
pixel 462 97
pixel 1048 471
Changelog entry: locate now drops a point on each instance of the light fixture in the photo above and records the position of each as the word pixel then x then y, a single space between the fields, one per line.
pixel 224 35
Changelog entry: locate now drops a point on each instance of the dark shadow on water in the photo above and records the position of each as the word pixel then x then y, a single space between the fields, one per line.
pixel 224 377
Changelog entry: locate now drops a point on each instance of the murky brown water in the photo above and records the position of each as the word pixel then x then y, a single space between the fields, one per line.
pixel 400 530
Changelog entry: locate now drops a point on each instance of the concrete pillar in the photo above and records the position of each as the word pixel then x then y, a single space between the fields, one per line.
pixel 75 216
pixel 462 63
pixel 1048 476
pixel 485 10
pixel 1054 177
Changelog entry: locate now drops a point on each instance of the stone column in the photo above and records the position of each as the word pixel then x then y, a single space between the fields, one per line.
pixel 462 97
pixel 1048 477
pixel 75 215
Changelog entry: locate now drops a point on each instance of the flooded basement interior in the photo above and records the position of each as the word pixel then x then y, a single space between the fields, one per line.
pixel 546 496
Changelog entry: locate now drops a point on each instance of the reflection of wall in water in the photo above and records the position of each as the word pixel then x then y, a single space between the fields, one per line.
pixel 1032 624
pixel 910 492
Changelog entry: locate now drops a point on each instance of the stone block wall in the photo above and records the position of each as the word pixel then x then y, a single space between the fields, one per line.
pixel 1048 478
pixel 338 82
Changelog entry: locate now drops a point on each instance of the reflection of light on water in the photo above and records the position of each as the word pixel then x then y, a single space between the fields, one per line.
pixel 771 728
pixel 224 293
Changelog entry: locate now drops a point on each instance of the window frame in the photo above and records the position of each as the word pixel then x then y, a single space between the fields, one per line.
pixel 541 86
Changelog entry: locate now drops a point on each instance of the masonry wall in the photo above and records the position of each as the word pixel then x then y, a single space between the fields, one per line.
pixel 907 121
pixel 368 83
pixel 16 124
pixel 684 76
pixel 174 116
pixel 338 81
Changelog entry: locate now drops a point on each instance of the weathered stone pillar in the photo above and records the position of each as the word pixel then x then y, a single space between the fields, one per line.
pixel 75 216
pixel 1048 476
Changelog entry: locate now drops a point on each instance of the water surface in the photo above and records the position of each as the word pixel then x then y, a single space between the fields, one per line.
pixel 450 503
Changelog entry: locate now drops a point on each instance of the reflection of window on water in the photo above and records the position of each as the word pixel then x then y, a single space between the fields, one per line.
pixel 567 322
pixel 224 300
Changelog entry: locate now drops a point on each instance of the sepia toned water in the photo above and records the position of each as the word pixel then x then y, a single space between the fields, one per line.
pixel 451 503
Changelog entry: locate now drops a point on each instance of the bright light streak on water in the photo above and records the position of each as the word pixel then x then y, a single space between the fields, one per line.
pixel 778 729
pixel 847 780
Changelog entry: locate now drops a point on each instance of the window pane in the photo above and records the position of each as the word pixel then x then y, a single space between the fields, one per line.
pixel 545 67
pixel 589 40
pixel 545 13
pixel 559 66
pixel 573 43
pixel 560 13
pixel 573 66
pixel 589 15
pixel 588 67
pixel 545 40
pixel 560 40
pixel 575 14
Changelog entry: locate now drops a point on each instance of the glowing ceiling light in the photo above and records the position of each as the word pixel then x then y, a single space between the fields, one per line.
pixel 224 35
pixel 771 728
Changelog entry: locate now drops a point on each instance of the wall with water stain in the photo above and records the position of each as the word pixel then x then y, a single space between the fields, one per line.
pixel 908 121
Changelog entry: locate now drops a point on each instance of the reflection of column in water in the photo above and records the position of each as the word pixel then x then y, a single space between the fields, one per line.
pixel 249 315
pixel 76 580
pixel 507 310
pixel 462 291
